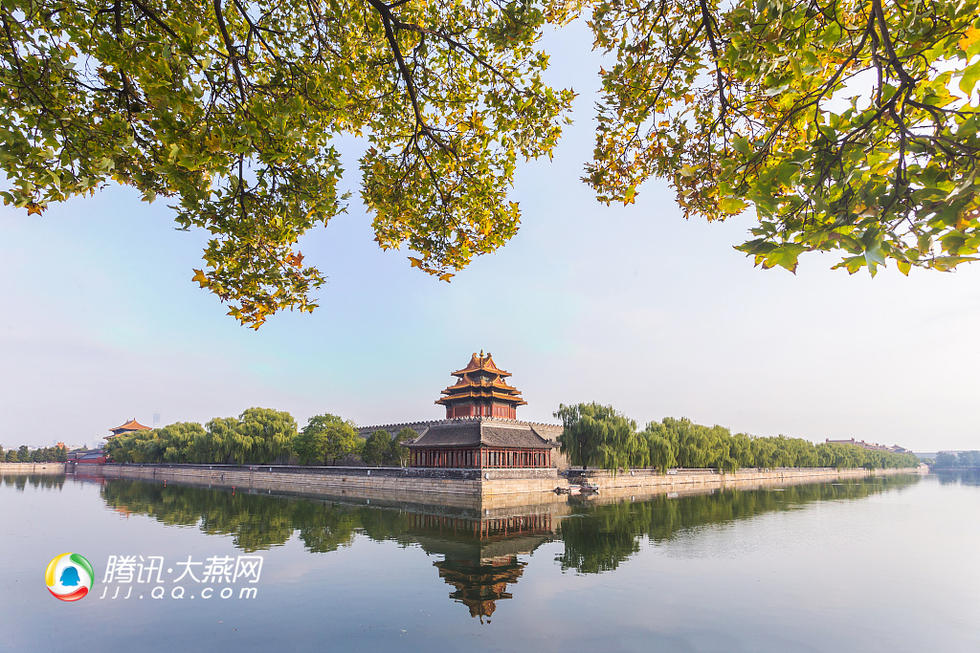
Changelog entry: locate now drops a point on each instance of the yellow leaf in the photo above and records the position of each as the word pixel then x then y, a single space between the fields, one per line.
pixel 34 208
pixel 200 278
pixel 970 36
pixel 416 262
pixel 446 276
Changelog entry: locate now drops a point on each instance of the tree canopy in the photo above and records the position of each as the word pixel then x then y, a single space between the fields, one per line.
pixel 327 439
pixel 846 125
pixel 258 435
pixel 380 448
pixel 599 436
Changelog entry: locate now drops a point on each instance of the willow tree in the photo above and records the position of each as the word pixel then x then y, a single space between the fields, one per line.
pixel 599 436
pixel 271 433
pixel 844 125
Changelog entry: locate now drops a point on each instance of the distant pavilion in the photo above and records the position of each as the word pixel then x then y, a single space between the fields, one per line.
pixel 481 429
pixel 128 427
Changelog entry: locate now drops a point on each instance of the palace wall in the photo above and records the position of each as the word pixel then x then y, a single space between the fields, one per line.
pixel 32 468
pixel 748 478
pixel 487 489
pixel 463 488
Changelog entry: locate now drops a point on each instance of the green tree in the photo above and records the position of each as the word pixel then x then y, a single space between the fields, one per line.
pixel 225 441
pixel 377 448
pixel 968 459
pixel 397 452
pixel 945 460
pixel 177 439
pixel 269 432
pixel 596 435
pixel 326 439
pixel 661 453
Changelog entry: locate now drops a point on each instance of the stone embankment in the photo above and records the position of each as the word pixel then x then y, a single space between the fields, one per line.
pixel 689 479
pixel 467 488
pixel 464 488
pixel 32 468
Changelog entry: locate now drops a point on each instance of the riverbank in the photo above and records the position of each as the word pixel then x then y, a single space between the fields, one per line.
pixel 681 478
pixel 486 489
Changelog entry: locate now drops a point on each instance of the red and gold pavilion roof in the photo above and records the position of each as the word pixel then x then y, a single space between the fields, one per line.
pixel 482 379
pixel 131 425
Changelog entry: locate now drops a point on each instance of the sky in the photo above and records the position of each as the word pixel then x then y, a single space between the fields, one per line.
pixel 629 306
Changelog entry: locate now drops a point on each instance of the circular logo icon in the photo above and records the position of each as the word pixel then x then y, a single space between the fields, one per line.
pixel 69 576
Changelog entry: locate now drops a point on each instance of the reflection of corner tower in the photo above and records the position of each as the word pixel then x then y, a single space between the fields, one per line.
pixel 480 583
pixel 480 391
pixel 481 555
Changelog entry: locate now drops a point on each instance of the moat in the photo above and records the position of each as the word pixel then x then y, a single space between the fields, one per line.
pixel 885 563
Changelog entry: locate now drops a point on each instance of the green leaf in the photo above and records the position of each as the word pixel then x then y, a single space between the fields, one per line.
pixel 732 205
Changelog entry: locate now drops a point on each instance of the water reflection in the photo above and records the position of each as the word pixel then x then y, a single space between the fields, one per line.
pixel 599 538
pixel 20 481
pixel 481 557
pixel 958 476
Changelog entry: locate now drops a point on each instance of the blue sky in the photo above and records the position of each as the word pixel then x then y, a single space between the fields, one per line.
pixel 631 306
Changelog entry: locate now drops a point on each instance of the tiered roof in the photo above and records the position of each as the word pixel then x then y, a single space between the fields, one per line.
pixel 131 425
pixel 481 379
pixel 482 431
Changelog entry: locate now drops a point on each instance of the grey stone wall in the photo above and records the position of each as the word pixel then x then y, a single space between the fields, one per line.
pixel 467 488
pixel 32 468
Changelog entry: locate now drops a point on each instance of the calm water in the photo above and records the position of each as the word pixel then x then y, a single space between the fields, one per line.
pixel 881 565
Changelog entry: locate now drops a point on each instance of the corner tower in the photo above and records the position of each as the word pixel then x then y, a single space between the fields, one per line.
pixel 480 391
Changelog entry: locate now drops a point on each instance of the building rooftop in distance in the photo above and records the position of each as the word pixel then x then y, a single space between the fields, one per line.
pixel 131 425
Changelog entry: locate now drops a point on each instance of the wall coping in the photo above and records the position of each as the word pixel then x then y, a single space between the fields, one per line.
pixel 428 422
pixel 459 473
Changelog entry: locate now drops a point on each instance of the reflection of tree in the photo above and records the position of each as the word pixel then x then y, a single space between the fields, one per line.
pixel 479 556
pixel 963 477
pixel 323 527
pixel 601 539
pixel 605 535
pixel 47 481
pixel 255 522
